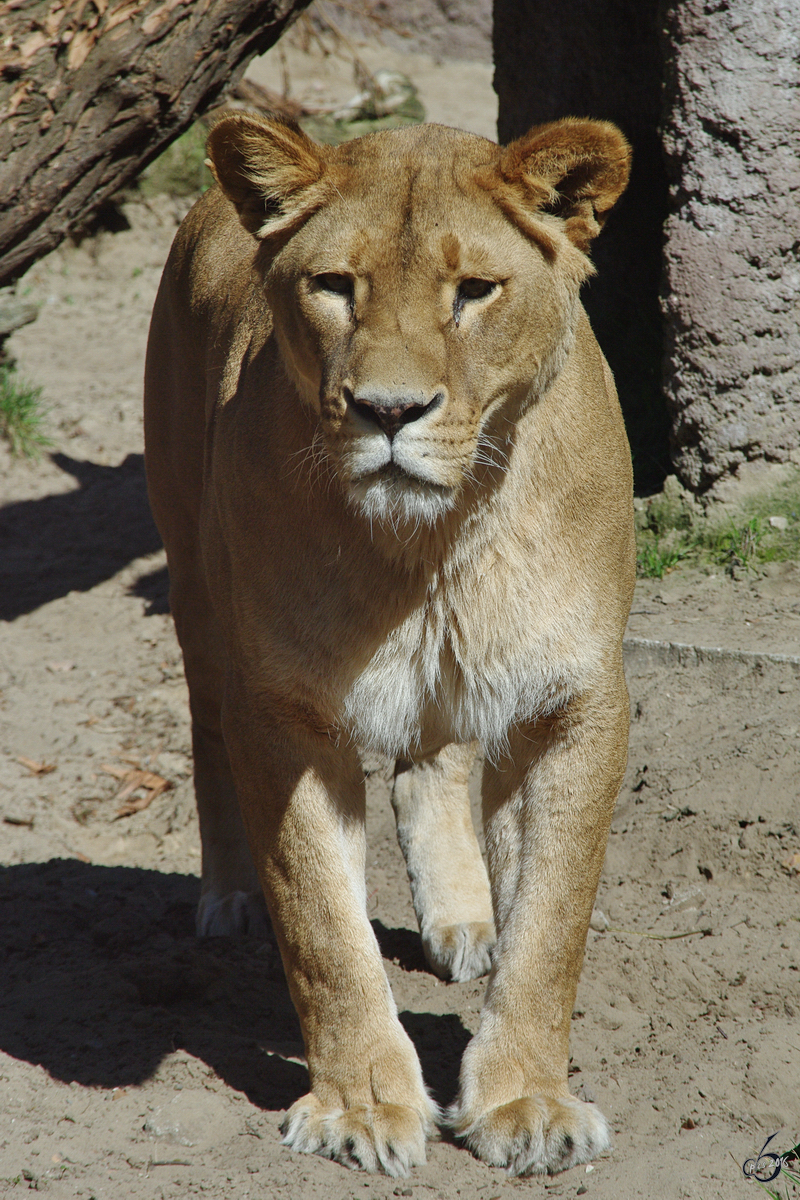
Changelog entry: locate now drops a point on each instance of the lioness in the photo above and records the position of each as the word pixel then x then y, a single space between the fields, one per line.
pixel 387 460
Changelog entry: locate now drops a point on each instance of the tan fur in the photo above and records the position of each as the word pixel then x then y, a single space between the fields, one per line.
pixel 389 467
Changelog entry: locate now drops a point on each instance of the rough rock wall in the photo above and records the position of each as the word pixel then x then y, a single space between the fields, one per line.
pixel 732 247
pixel 442 28
pixel 602 58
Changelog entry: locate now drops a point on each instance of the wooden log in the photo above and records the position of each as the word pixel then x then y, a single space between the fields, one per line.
pixel 91 91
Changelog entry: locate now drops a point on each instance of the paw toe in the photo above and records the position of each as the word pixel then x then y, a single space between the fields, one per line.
pixel 379 1137
pixel 539 1135
pixel 460 952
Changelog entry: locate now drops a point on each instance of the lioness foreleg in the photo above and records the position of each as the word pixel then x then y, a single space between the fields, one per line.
pixel 547 809
pixel 302 800
pixel 449 885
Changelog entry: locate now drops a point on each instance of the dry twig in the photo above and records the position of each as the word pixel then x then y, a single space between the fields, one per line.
pixel 36 768
pixel 132 780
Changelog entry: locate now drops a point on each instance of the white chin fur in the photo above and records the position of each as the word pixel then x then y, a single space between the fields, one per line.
pixel 399 499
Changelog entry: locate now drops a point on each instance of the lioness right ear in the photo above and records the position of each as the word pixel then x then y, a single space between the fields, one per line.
pixel 269 170
pixel 573 168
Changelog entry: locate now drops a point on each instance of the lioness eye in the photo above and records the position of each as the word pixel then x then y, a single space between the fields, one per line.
pixel 340 285
pixel 471 289
pixel 475 289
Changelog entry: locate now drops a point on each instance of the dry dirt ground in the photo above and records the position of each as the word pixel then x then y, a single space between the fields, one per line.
pixel 138 1062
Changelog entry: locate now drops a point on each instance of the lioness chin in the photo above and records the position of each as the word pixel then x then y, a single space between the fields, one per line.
pixel 388 463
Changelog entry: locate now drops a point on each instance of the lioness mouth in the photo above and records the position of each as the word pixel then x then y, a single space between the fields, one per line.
pixel 392 472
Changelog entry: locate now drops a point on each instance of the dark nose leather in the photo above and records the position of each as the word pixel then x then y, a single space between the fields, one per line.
pixel 389 412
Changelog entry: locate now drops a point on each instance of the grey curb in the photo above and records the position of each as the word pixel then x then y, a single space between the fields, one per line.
pixel 681 654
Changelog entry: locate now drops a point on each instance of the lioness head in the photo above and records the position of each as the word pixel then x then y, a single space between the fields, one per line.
pixel 424 286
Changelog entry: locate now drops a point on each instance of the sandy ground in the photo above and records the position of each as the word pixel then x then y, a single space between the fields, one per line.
pixel 136 1061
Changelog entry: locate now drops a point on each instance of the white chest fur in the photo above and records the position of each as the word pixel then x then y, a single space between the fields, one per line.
pixel 483 654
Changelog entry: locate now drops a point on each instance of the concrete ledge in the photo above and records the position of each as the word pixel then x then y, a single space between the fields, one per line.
pixel 680 654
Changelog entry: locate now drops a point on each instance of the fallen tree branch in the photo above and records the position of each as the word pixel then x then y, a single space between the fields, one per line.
pixel 91 91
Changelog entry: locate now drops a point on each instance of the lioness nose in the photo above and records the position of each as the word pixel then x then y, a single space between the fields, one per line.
pixel 389 411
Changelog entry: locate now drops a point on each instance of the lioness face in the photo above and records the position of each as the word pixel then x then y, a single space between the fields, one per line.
pixel 410 334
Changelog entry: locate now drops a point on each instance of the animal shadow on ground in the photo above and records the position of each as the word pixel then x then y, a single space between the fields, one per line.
pixel 441 1040
pixel 74 540
pixel 103 977
pixel 154 588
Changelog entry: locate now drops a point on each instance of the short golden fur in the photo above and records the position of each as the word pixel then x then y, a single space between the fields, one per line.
pixel 387 460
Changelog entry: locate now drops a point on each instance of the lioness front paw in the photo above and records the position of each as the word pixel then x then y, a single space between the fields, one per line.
pixel 233 915
pixel 375 1137
pixel 537 1135
pixel 460 952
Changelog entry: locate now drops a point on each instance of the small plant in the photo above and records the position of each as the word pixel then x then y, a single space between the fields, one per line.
pixel 21 415
pixel 673 528
pixel 653 560
pixel 738 546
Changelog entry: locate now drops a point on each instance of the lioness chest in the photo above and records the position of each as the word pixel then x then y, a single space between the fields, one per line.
pixel 404 660
pixel 457 671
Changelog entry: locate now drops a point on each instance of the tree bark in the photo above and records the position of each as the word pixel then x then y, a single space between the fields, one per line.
pixel 92 90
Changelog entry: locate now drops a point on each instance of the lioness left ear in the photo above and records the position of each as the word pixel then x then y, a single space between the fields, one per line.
pixel 573 168
pixel 269 170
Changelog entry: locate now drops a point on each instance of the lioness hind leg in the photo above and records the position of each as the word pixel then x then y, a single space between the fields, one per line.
pixel 449 885
pixel 231 900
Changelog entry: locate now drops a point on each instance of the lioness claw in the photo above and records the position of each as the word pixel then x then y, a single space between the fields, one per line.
pixel 378 1137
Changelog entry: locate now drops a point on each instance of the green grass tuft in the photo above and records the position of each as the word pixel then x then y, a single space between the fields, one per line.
pixel 674 528
pixel 737 546
pixel 653 560
pixel 21 415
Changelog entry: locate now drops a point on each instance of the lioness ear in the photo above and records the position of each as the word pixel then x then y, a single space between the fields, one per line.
pixel 573 168
pixel 270 171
